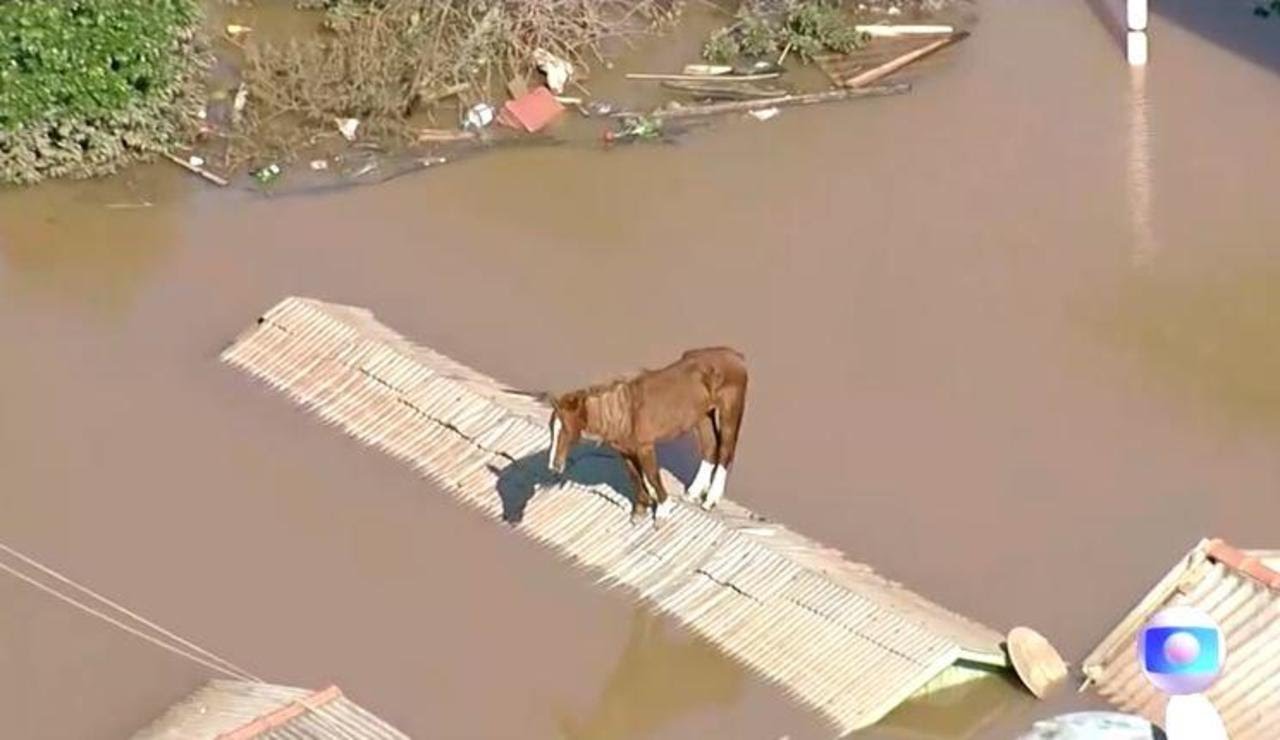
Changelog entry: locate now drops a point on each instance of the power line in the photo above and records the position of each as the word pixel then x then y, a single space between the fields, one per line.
pixel 197 654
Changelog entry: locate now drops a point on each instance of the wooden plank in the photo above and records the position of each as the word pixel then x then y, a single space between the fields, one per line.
pixel 888 68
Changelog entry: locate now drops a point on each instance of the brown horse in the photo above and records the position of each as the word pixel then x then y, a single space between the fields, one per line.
pixel 704 390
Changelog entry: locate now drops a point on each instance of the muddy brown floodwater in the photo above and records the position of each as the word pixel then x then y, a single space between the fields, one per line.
pixel 1013 336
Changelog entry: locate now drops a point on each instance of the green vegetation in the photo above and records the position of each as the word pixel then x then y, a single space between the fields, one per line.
pixel 1267 10
pixel 88 85
pixel 803 27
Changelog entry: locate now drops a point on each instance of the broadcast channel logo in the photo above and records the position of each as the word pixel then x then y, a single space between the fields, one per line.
pixel 1181 650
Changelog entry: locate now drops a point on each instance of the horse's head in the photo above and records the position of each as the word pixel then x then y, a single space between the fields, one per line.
pixel 568 419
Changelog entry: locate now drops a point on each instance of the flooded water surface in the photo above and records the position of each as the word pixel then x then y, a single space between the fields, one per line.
pixel 1013 340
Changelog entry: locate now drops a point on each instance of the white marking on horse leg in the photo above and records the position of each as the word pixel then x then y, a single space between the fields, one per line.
pixel 701 481
pixel 717 488
pixel 555 440
pixel 665 509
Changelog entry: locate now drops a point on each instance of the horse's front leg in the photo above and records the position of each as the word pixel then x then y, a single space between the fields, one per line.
pixel 649 467
pixel 709 449
pixel 640 501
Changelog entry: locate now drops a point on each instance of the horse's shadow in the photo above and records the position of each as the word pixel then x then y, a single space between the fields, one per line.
pixel 588 464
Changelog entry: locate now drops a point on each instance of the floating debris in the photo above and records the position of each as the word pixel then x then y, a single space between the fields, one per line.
pixel 707 70
pixel 742 106
pixel 478 116
pixel 267 175
pixel 236 31
pixel 713 91
pixel 753 77
pixel 599 108
pixel 1036 662
pixel 557 70
pixel 893 65
pixel 635 128
pixel 197 169
pixel 759 68
pixel 240 101
pixel 319 164
pixel 444 134
pixel 884 30
pixel 347 127
pixel 764 114
pixel 532 112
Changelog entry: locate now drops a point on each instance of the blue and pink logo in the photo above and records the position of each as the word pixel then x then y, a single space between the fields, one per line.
pixel 1181 650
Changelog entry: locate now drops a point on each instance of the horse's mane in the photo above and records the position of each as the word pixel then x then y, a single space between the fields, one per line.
pixel 608 408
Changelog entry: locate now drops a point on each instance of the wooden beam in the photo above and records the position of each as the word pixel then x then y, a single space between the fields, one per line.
pixel 893 65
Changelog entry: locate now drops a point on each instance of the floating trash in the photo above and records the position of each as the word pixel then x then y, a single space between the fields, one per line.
pixel 707 70
pixel 599 108
pixel 635 128
pixel 267 175
pixel 241 98
pixel 347 127
pixel 479 116
pixel 319 164
pixel 557 70
pixel 763 114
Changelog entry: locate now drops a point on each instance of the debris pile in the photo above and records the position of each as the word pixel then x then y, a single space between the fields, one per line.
pixel 421 81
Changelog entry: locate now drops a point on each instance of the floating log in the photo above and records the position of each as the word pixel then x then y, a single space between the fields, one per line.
pixel 707 69
pixel 206 174
pixel 728 92
pixel 880 31
pixel 445 134
pixel 743 106
pixel 893 65
pixel 706 78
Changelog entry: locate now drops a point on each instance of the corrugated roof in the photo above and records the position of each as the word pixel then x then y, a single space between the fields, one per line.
pixel 838 637
pixel 244 710
pixel 1240 589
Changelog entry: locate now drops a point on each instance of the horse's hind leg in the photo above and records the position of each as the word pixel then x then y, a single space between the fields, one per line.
pixel 709 447
pixel 730 406
pixel 640 502
pixel 649 467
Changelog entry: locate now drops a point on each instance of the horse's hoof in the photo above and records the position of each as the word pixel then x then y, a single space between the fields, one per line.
pixel 708 505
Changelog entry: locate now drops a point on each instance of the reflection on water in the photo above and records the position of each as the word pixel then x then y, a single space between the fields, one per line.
pixel 661 676
pixel 1211 335
pixel 90 245
pixel 961 712
pixel 1139 169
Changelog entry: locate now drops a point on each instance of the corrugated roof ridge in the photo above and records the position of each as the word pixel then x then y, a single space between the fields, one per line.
pixel 1246 562
pixel 283 715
